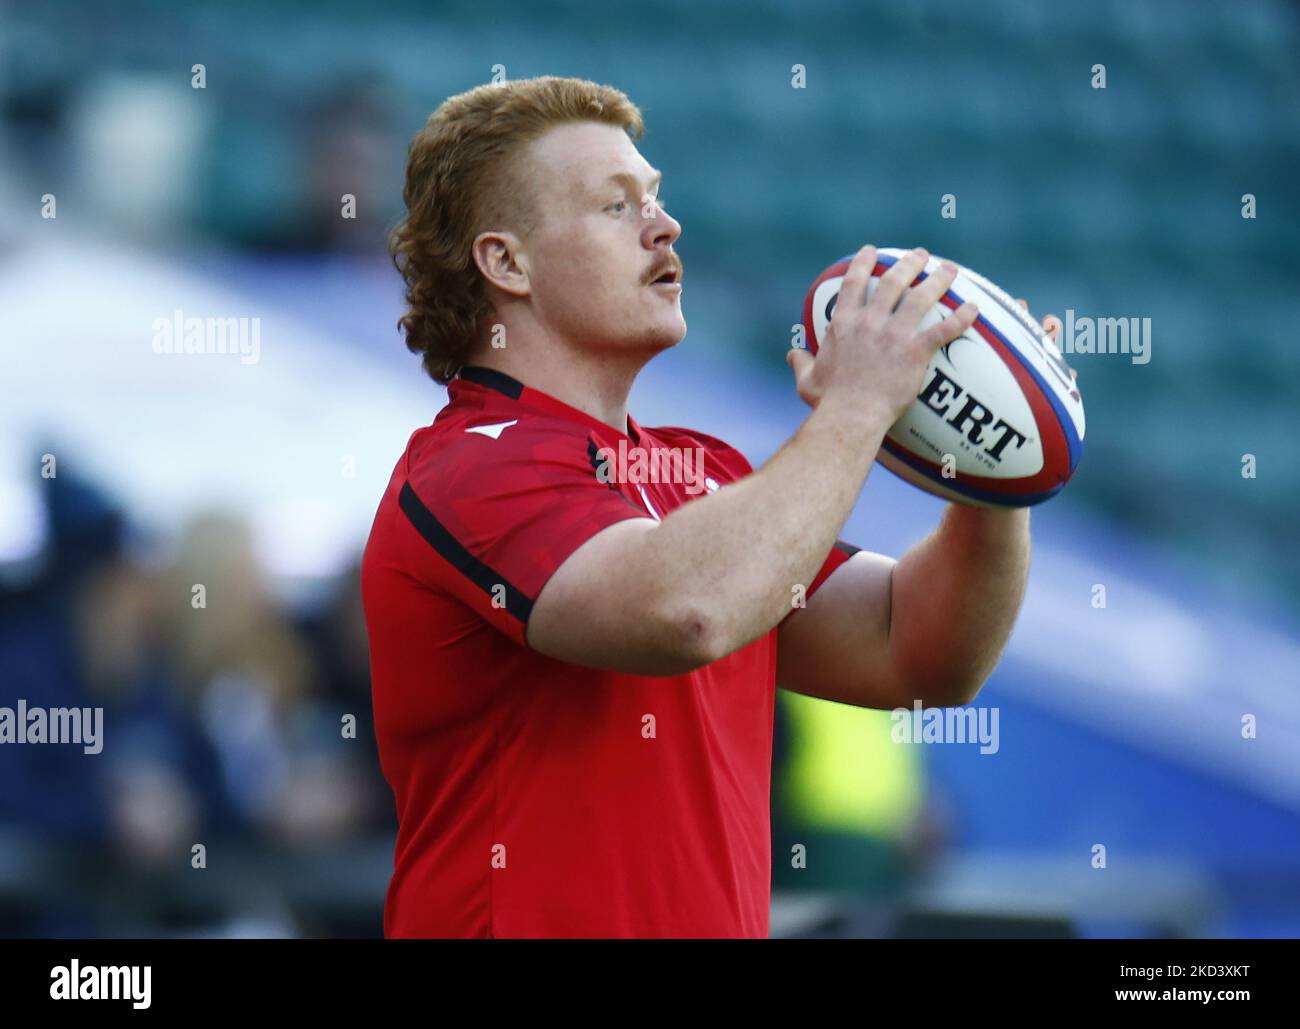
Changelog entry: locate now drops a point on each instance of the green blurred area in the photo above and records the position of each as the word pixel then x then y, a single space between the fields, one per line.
pixel 1116 202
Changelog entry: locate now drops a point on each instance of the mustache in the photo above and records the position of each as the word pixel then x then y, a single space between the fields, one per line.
pixel 674 264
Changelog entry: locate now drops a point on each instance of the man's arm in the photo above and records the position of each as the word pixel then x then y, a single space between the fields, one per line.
pixel 660 598
pixel 717 573
pixel 929 627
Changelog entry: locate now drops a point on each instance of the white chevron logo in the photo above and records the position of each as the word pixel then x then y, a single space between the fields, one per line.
pixel 493 430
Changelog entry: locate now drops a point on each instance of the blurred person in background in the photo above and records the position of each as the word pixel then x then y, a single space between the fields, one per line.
pixel 251 681
pixel 84 633
pixel 851 813
pixel 336 634
pixel 221 724
pixel 349 153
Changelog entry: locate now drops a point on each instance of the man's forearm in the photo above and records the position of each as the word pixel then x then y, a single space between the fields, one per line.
pixel 738 554
pixel 955 597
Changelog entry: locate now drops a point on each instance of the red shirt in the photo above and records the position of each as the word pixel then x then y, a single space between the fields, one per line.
pixel 535 797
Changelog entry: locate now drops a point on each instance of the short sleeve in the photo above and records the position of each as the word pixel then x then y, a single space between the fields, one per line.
pixel 840 553
pixel 494 519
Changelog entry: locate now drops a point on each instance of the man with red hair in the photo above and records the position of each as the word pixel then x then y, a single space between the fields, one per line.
pixel 573 669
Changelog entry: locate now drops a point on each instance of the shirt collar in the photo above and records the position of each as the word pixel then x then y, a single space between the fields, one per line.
pixel 500 382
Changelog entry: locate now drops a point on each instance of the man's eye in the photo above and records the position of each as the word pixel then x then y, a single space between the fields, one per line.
pixel 619 205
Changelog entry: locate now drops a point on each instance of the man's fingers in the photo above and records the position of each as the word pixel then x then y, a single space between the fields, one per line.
pixel 854 286
pixel 920 298
pixel 798 359
pixel 1051 324
pixel 950 328
pixel 898 278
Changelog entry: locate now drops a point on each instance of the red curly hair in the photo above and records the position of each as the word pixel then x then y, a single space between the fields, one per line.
pixel 461 181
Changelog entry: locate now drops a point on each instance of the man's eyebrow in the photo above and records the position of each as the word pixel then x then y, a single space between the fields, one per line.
pixel 629 180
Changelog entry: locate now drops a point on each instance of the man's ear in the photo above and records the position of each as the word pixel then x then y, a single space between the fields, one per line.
pixel 499 257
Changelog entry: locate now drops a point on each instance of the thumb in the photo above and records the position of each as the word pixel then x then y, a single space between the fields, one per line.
pixel 799 361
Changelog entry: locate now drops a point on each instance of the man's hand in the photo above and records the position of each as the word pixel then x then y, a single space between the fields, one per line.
pixel 873 356
pixel 1052 326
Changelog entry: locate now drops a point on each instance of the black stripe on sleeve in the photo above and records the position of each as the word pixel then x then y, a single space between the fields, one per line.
pixel 437 536
pixel 847 549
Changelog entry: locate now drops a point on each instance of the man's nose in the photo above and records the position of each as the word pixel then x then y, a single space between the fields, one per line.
pixel 662 229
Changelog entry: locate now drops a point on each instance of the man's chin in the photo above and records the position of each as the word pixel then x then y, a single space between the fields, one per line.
pixel 659 339
pixel 655 340
pixel 670 336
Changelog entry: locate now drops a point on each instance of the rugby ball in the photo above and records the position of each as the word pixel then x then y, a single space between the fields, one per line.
pixel 999 419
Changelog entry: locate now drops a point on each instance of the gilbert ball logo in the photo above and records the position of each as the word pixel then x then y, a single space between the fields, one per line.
pixel 970 417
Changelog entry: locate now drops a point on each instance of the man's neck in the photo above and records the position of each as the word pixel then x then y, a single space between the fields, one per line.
pixel 597 388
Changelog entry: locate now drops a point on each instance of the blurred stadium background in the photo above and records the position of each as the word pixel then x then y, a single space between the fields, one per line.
pixel 1119 726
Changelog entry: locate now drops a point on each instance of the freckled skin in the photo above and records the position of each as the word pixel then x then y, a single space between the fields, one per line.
pixel 587 256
